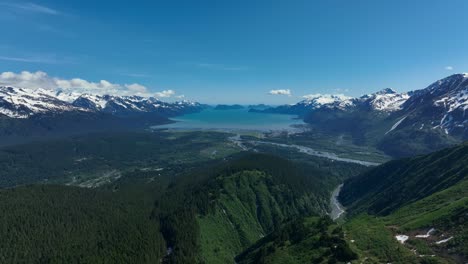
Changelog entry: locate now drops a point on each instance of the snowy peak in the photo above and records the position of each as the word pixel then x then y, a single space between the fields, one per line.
pixel 315 101
pixel 448 93
pixel 67 97
pixel 386 91
pixel 451 83
pixel 92 102
pixel 23 103
pixel 387 100
pixel 442 105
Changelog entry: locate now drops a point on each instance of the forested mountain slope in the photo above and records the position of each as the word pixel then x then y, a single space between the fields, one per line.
pixel 60 224
pixel 239 203
pixel 207 213
pixel 390 186
pixel 422 201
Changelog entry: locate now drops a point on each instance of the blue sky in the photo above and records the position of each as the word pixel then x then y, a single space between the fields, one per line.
pixel 218 51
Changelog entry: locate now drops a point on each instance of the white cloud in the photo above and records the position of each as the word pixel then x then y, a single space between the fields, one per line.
pixel 165 93
pixel 449 68
pixel 280 92
pixel 138 88
pixel 32 8
pixel 39 79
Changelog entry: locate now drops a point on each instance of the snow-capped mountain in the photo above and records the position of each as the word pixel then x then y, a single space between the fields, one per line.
pixel 441 105
pixel 23 103
pixel 401 124
pixel 387 100
pixel 315 101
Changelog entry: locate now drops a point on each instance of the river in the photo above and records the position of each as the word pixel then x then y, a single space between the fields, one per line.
pixel 336 208
pixel 322 154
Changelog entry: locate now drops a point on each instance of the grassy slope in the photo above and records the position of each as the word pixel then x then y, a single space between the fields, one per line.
pixel 435 209
pixel 304 240
pixel 410 197
pixel 398 183
pixel 447 212
pixel 374 241
pixel 248 208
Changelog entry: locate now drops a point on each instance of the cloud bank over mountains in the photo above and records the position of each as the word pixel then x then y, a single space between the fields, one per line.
pixel 39 79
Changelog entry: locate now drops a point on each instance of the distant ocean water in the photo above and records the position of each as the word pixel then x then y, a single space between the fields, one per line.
pixel 240 119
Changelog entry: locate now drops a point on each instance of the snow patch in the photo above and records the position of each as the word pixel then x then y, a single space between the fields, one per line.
pixel 396 125
pixel 444 240
pixel 401 238
pixel 428 234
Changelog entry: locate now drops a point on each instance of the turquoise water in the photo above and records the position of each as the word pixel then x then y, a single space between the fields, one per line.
pixel 239 119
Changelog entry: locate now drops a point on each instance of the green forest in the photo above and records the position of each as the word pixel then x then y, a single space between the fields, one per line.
pixel 174 202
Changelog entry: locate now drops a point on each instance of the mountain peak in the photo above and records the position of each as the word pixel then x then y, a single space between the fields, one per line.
pixel 386 91
pixel 455 77
pixel 461 74
pixel 327 100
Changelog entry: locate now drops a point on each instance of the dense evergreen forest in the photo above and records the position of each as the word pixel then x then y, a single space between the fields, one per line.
pixel 59 224
pixel 77 159
pixel 143 216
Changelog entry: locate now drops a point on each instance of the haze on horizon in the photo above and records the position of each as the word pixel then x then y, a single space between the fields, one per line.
pixel 244 52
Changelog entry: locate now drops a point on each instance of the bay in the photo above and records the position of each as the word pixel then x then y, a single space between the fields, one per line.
pixel 235 119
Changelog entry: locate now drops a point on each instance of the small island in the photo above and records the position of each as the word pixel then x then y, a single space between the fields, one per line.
pixel 259 106
pixel 228 107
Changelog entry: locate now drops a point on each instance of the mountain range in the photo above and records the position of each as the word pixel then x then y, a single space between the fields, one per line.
pixel 401 124
pixel 36 114
pixel 24 103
